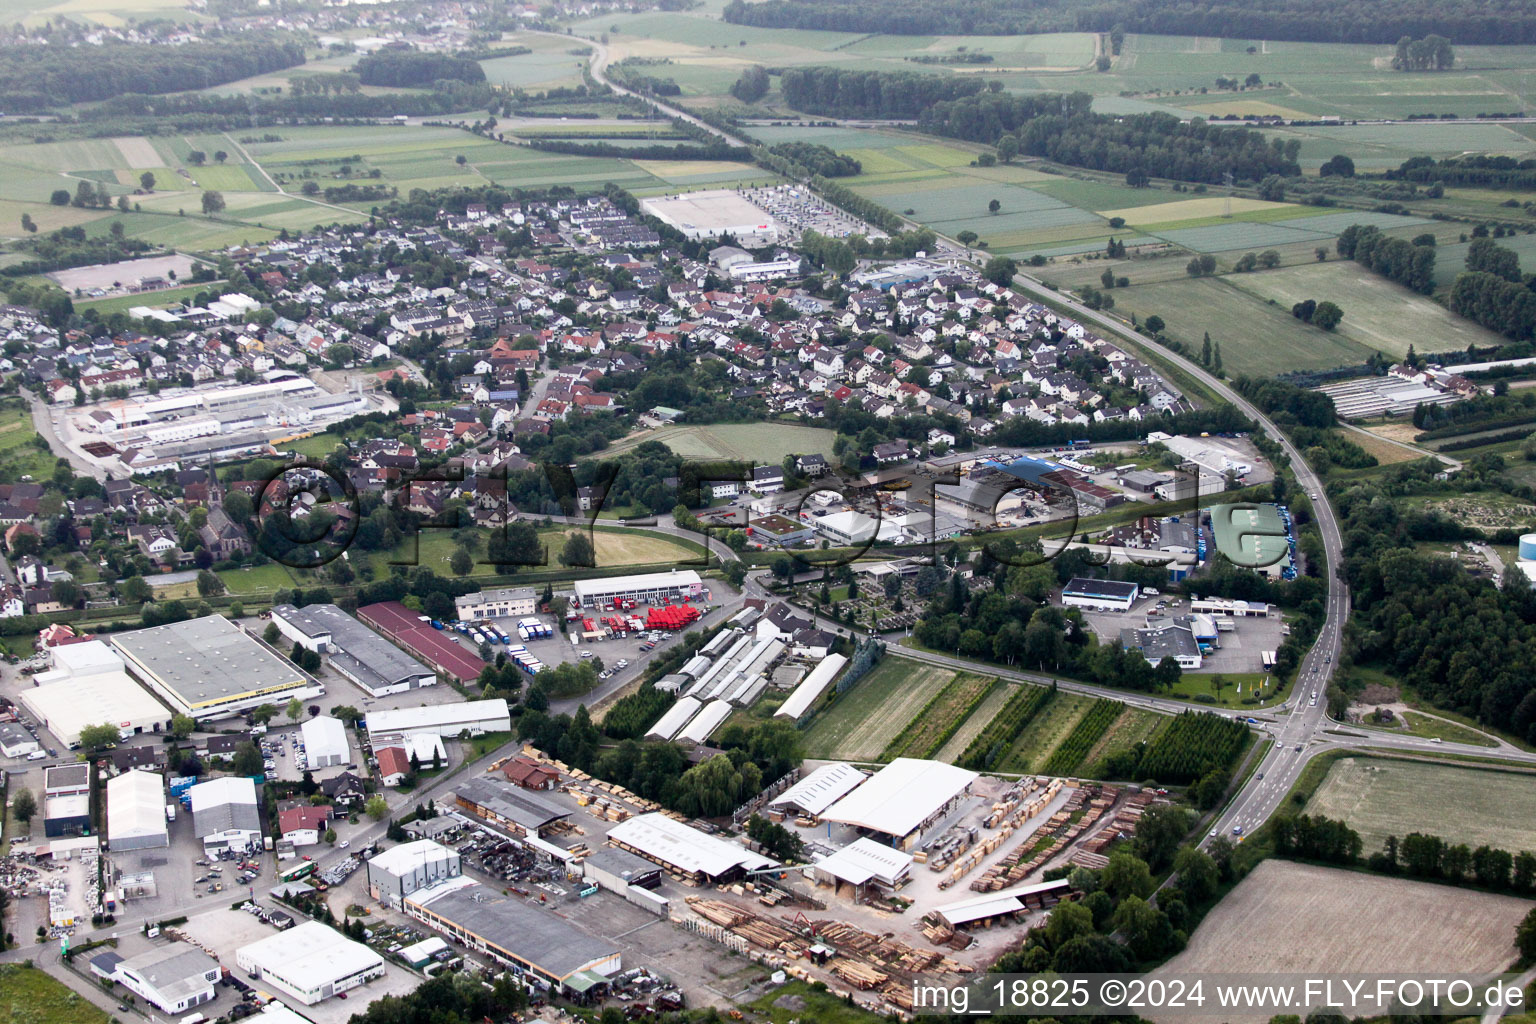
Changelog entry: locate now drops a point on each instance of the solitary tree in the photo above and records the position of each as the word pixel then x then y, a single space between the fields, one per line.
pixel 1327 315
pixel 1007 148
pixel 182 726
pixel 994 205
pixel 294 710
pixel 24 806
pixel 147 180
pixel 461 562
pixel 213 202
pixel 98 737
pixel 197 157
pixel 220 155
pixel 376 808
pixel 578 551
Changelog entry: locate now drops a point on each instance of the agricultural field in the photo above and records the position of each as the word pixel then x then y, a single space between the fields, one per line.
pixel 1375 309
pixel 975 722
pixel 1295 917
pixel 551 65
pixel 1033 747
pixel 1379 797
pixel 29 996
pixel 941 717
pixel 614 547
pixel 862 722
pixel 1256 338
pixel 732 441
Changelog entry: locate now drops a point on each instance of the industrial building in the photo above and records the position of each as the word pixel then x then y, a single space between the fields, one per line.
pixel 675 717
pixel 474 717
pixel 397 872
pixel 512 809
pixel 414 632
pixel 819 790
pixel 88 686
pixel 210 668
pixel 705 722
pixel 902 799
pixel 225 815
pixel 16 741
pixel 714 213
pixel 1168 640
pixel 1100 595
pixel 979 910
pixel 325 742
pixel 173 978
pixel 617 870
pixel 310 962
pixel 802 700
pixel 496 604
pixel 357 652
pixel 67 800
pixel 543 949
pixel 685 850
pixel 651 586
pixel 862 863
pixel 1255 536
pixel 136 812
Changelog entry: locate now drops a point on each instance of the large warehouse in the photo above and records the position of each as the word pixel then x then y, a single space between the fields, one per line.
pixel 472 716
pixel 684 849
pixel 136 812
pixel 310 962
pixel 325 742
pixel 651 586
pixel 1253 536
pixel 713 213
pixel 225 815
pixel 210 668
pixel 819 790
pixel 436 647
pixel 400 870
pixel 87 686
pixel 543 948
pixel 902 798
pixel 356 651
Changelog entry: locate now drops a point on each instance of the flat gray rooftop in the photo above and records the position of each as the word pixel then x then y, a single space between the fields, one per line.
pixel 207 661
pixel 529 934
pixel 365 654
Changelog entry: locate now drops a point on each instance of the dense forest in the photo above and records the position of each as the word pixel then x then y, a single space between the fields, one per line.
pixel 415 69
pixel 819 159
pixel 1489 22
pixel 1409 264
pixel 843 93
pixel 36 78
pixel 1454 638
pixel 1492 291
pixel 1061 128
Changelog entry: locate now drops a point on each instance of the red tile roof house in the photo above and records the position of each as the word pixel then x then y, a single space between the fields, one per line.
pixel 530 774
pixel 303 826
pixel 394 765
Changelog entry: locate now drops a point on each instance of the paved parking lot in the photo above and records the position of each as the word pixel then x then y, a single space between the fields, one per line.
pixel 1239 650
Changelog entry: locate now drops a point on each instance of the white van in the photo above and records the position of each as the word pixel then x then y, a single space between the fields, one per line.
pixel 37 755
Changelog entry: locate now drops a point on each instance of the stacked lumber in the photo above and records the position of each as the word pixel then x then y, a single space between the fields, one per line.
pixel 858 975
pixel 898 994
pixel 938 934
pixel 1084 858
pixel 717 911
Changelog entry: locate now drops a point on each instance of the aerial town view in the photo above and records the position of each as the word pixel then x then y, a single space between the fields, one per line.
pixel 783 511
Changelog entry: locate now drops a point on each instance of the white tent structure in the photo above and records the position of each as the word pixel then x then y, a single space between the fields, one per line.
pixel 902 798
pixel 136 812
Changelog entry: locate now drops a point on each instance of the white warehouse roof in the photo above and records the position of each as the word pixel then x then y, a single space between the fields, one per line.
pixel 865 859
pixel 308 956
pixel 135 810
pixel 1006 901
pixel 324 737
pixel 678 715
pixel 821 789
pixel 632 584
pixel 493 714
pixel 407 857
pixel 811 687
pixel 67 704
pixel 901 796
pixel 706 721
pixel 683 846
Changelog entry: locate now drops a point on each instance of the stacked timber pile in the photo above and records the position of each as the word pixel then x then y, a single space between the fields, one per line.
pixel 1125 821
pixel 884 951
pixel 756 930
pixel 856 974
pixel 1060 830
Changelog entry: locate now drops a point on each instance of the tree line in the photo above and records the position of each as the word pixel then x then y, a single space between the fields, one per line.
pixel 36 78
pixel 1478 169
pixel 819 159
pixel 416 69
pixel 840 92
pixel 1488 22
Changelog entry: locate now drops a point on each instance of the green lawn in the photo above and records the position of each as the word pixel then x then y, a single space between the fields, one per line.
pixel 1193 685
pixel 28 996
pixel 260 582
